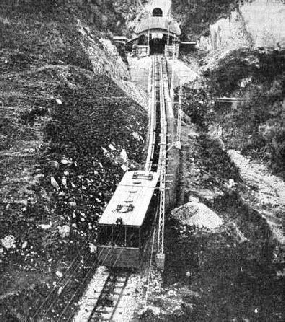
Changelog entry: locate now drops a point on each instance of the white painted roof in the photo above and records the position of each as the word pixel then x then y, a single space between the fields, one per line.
pixel 131 199
pixel 158 23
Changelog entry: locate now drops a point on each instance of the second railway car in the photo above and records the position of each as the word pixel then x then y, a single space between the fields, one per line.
pixel 126 222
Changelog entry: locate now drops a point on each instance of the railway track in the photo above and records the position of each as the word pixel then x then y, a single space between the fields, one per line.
pixel 108 305
pixel 110 296
pixel 110 293
pixel 157 115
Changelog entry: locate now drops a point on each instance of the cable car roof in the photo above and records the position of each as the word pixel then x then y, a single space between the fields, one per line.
pixel 131 199
pixel 161 23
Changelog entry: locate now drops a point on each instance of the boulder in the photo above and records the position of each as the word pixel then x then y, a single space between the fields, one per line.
pixel 195 213
pixel 64 231
pixel 8 242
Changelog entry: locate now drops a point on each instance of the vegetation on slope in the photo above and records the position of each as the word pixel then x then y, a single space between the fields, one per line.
pixel 223 274
pixel 256 126
pixel 196 16
pixel 255 123
pixel 230 278
pixel 32 39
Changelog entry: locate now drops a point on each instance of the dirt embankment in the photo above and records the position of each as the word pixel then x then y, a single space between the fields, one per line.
pixel 221 261
pixel 67 134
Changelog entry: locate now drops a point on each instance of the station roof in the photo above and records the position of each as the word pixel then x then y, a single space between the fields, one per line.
pixel 162 23
pixel 131 199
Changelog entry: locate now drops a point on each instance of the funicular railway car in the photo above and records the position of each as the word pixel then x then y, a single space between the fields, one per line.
pixel 126 223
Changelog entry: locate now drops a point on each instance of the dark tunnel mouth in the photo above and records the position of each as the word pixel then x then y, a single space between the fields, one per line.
pixel 157 46
pixel 157 12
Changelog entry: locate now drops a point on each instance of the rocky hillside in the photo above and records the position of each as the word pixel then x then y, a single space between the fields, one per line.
pixel 107 16
pixel 232 66
pixel 72 123
pixel 70 126
pixel 196 16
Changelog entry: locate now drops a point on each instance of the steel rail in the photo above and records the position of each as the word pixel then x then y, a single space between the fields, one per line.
pixel 112 283
pixel 152 119
pixel 162 160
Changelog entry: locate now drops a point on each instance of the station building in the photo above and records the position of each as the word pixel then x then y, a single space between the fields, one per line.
pixel 156 34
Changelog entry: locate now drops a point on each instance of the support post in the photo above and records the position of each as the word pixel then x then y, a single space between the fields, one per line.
pixel 160 256
pixel 178 139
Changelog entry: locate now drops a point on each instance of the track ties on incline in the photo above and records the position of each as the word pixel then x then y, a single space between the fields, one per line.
pixel 112 293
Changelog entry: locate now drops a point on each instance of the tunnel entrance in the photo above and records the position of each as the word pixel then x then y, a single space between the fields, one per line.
pixel 157 45
pixel 157 12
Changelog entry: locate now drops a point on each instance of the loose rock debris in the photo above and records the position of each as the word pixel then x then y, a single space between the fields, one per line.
pixel 195 213
pixel 54 180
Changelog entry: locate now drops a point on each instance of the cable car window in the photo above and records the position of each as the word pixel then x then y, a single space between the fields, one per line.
pixel 133 237
pixel 105 235
pixel 119 234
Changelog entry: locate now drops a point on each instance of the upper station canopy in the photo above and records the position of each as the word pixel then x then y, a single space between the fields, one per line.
pixel 163 24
